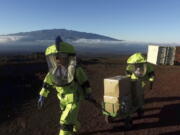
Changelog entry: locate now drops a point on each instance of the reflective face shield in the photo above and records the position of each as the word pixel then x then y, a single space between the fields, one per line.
pixel 62 68
pixel 139 69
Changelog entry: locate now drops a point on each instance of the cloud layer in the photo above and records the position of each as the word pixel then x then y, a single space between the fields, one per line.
pixel 96 41
pixel 7 39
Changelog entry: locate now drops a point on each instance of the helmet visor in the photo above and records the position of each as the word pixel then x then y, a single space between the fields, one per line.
pixel 61 67
pixel 139 69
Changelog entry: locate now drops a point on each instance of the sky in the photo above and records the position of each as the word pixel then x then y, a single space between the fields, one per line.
pixel 132 20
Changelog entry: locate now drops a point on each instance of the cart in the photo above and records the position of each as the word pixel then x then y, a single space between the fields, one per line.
pixel 122 98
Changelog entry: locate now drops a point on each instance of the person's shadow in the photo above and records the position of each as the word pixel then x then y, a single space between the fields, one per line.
pixel 169 115
pixel 171 133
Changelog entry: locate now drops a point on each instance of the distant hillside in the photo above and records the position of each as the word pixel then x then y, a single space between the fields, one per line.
pixel 85 43
pixel 68 35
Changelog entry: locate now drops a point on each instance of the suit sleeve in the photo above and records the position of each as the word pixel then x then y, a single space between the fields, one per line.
pixel 82 79
pixel 151 74
pixel 47 86
pixel 128 70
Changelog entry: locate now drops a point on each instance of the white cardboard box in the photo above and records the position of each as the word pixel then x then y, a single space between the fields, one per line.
pixel 116 88
pixel 161 55
pixel 119 90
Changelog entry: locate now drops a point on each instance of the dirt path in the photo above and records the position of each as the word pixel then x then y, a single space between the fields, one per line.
pixel 162 109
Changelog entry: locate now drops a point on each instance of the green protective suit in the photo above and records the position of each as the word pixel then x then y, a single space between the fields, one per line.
pixel 69 95
pixel 138 92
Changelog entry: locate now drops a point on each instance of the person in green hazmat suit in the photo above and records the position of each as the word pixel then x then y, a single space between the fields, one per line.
pixel 140 72
pixel 70 82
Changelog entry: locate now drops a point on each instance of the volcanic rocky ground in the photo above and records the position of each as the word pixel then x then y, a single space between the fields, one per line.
pixel 21 79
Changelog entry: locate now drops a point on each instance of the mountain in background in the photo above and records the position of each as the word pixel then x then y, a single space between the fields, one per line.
pixel 85 43
pixel 67 35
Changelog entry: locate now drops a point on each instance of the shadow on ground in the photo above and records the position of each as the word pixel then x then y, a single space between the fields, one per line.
pixel 168 116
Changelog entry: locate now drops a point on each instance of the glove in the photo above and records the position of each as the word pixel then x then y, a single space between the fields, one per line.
pixel 41 102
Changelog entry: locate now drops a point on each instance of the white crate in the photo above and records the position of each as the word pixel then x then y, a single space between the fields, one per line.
pixel 161 55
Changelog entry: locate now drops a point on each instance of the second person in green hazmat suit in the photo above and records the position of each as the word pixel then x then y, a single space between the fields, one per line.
pixel 70 82
pixel 140 72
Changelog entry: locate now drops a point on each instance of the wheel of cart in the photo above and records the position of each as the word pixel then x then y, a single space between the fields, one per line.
pixel 128 122
pixel 124 114
pixel 110 117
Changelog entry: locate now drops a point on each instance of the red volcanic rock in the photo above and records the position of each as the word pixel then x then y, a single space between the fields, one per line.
pixel 161 111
